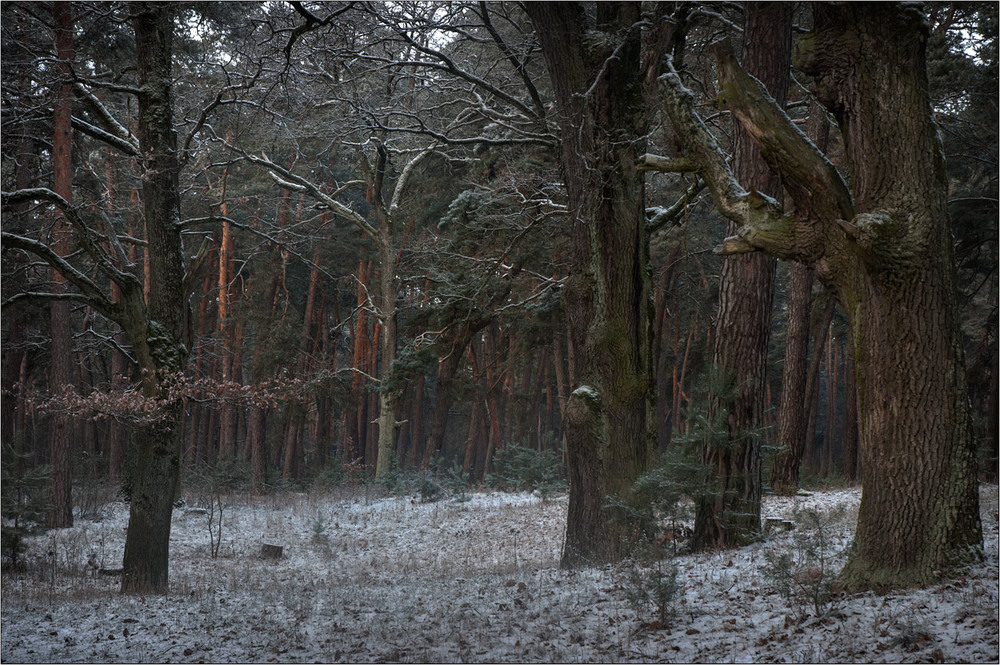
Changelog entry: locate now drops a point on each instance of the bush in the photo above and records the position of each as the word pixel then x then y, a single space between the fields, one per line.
pixel 655 511
pixel 456 482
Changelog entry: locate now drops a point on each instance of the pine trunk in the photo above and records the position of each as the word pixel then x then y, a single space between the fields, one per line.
pixel 61 360
pixel 731 515
pixel 227 412
pixel 792 420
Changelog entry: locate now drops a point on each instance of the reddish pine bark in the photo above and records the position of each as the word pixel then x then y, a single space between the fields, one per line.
pixel 61 357
pixel 731 515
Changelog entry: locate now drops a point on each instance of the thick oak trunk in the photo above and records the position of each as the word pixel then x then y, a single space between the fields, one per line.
pixel 885 250
pixel 919 511
pixel 596 75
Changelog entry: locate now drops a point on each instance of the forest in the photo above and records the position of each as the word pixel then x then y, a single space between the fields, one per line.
pixel 665 261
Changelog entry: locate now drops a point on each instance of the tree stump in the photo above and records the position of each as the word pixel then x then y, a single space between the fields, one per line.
pixel 270 552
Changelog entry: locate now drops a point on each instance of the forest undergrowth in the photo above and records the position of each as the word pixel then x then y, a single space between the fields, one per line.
pixel 365 575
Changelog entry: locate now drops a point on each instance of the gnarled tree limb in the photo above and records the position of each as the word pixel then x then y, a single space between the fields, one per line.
pixel 813 182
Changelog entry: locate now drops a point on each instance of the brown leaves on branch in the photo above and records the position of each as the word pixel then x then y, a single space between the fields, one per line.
pixel 132 405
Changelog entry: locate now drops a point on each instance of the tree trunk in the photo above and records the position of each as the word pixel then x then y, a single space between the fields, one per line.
pixel 884 248
pixel 257 445
pixel 14 357
pixel 813 373
pixel 120 366
pixel 919 512
pixel 416 428
pixel 354 434
pixel 792 420
pixel 61 361
pixel 388 391
pixel 830 424
pixel 447 367
pixel 596 75
pixel 731 517
pixel 292 442
pixel 851 419
pixel 160 338
pixel 562 382
pixel 227 412
pixel 492 392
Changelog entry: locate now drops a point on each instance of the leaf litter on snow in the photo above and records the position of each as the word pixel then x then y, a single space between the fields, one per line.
pixel 390 578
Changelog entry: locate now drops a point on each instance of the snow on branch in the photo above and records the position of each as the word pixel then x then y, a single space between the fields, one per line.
pixel 763 225
pixel 114 133
pixel 300 184
pixel 89 293
pixel 660 217
pixel 84 234
pixel 814 183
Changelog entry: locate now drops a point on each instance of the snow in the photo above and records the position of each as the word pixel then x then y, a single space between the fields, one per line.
pixel 587 392
pixel 375 578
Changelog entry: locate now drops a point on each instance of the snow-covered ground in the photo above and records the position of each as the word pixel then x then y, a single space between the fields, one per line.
pixel 366 578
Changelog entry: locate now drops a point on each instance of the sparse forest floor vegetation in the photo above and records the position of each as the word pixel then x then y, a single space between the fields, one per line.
pixel 367 575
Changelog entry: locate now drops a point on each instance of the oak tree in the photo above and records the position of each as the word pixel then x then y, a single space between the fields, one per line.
pixel 883 246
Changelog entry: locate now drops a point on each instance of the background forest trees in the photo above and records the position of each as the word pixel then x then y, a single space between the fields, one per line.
pixel 374 243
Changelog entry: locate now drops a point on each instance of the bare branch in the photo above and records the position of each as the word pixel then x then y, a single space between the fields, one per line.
pixel 298 183
pixel 651 162
pixel 111 125
pixel 404 178
pixel 83 232
pixel 114 141
pixel 89 294
pixel 763 225
pixel 519 67
pixel 662 216
pixel 814 183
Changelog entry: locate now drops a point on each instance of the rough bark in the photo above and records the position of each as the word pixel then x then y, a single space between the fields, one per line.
pixel 159 333
pixel 850 436
pixel 731 516
pixel 792 419
pixel 885 251
pixel 919 512
pixel 597 81
pixel 61 356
